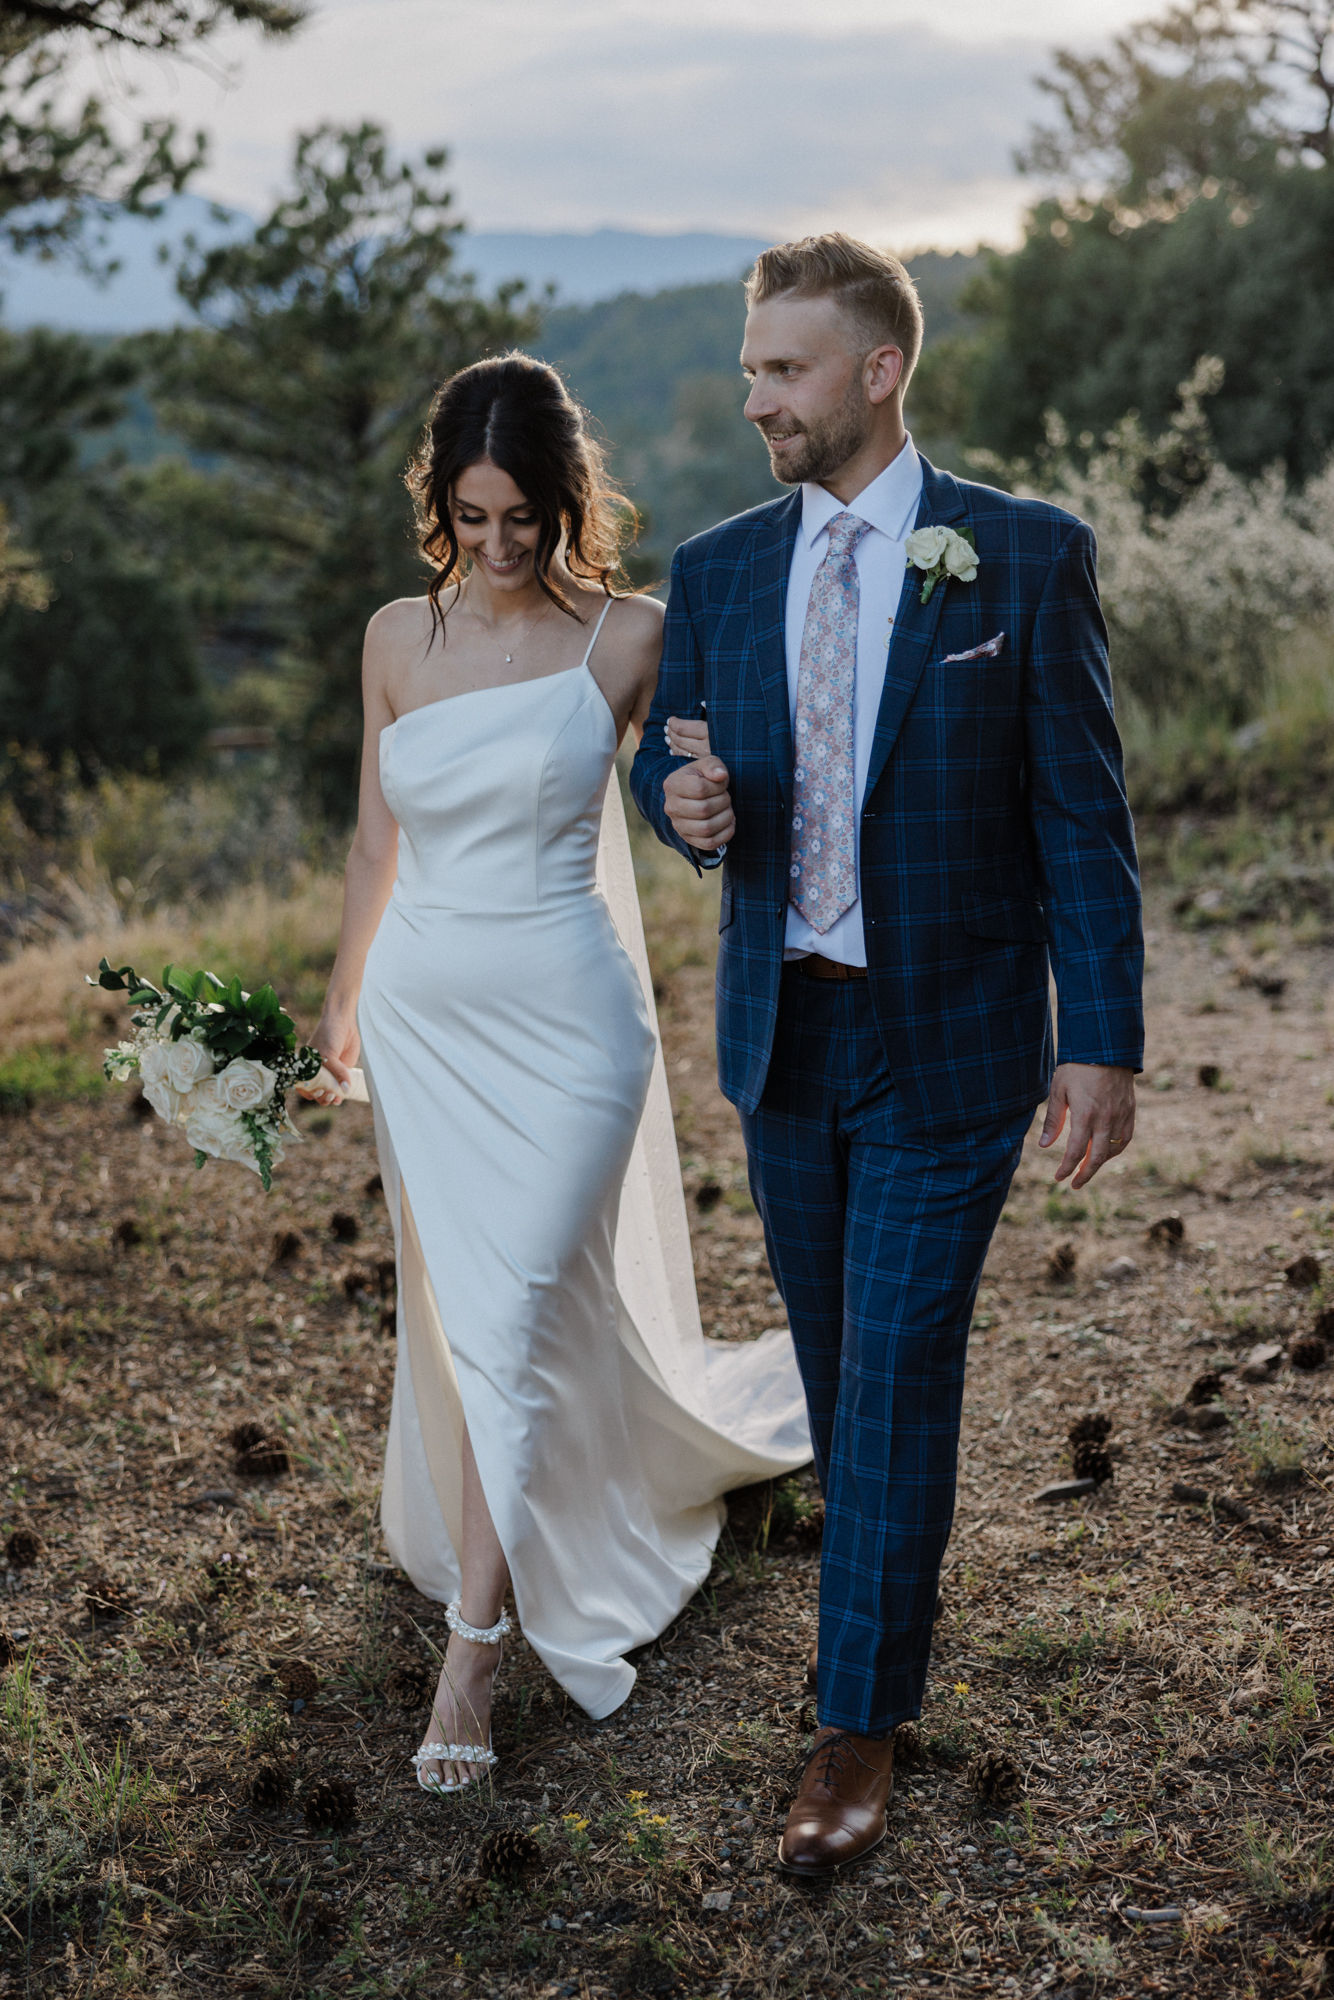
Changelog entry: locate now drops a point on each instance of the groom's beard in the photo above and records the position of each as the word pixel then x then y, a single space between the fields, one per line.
pixel 823 447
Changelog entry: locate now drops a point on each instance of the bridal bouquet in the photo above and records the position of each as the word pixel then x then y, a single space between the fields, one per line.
pixel 213 1060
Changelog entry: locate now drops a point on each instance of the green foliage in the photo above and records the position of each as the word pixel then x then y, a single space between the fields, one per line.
pixel 1096 315
pixel 321 338
pixel 1199 219
pixel 1202 573
pixel 42 1074
pixel 97 656
pixel 64 163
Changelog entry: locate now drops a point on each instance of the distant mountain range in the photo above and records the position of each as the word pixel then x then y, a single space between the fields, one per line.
pixel 583 268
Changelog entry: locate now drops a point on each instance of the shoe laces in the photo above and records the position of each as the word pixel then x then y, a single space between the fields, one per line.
pixel 831 1756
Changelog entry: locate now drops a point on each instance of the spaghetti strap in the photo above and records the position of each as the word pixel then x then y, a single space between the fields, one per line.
pixel 596 630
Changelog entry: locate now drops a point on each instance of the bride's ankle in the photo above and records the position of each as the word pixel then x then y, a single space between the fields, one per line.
pixel 461 1627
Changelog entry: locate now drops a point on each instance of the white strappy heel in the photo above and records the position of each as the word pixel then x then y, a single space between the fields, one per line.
pixel 478 1756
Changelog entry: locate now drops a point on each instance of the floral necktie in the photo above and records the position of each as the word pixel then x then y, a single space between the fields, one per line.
pixel 823 868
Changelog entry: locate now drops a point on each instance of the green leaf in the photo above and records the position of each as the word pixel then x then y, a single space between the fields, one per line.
pixel 201 1159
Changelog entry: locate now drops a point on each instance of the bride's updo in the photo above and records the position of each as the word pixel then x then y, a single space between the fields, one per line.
pixel 517 413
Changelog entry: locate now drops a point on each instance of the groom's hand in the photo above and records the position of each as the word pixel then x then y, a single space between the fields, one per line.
pixel 699 804
pixel 1101 1107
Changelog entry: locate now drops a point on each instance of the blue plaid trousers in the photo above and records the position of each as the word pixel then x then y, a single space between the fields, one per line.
pixel 876 1239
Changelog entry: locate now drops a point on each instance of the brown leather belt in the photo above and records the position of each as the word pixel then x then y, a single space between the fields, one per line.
pixel 815 967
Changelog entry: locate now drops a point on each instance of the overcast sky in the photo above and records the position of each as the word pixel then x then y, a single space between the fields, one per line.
pixel 893 118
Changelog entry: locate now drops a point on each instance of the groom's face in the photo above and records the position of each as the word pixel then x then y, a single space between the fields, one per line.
pixel 807 394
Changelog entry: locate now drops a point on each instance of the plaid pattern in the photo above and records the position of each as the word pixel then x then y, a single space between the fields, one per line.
pixel 876 1238
pixel 994 831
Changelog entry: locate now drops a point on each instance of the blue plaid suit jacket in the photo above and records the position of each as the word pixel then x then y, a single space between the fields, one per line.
pixel 995 836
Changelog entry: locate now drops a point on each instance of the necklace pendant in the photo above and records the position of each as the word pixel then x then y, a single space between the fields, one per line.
pixel 509 659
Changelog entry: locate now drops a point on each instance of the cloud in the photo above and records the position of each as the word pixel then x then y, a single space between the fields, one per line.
pixel 756 116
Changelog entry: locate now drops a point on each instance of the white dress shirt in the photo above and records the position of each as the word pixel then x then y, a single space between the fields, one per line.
pixel 890 504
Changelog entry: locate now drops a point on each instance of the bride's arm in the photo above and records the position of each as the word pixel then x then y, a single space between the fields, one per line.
pixel 372 864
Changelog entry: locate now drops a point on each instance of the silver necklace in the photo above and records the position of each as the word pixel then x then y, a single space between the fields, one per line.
pixel 527 626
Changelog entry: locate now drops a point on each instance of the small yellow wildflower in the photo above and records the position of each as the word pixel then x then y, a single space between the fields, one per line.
pixel 961 1688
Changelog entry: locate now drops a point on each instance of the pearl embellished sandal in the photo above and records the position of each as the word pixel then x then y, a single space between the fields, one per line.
pixel 480 1757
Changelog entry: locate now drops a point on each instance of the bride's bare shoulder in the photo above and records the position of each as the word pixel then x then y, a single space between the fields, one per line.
pixel 638 621
pixel 406 621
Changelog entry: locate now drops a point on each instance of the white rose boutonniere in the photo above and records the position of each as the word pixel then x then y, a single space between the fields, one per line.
pixel 942 553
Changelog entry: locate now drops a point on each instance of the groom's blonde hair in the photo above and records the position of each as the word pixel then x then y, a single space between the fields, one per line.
pixel 872 287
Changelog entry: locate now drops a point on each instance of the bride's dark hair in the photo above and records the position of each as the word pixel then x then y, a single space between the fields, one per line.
pixel 517 413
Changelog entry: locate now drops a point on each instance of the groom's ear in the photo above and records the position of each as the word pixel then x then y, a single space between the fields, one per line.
pixel 882 372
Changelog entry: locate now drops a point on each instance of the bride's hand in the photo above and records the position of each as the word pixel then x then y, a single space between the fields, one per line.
pixel 339 1045
pixel 687 739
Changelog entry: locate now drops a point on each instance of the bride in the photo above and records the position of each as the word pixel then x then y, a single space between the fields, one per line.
pixel 559 1427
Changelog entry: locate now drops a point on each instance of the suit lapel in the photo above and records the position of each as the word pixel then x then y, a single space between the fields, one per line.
pixel 771 560
pixel 914 624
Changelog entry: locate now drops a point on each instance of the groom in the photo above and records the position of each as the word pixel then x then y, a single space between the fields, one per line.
pixel 915 780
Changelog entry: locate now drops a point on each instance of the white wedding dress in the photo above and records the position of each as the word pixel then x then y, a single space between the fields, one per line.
pixel 546 1294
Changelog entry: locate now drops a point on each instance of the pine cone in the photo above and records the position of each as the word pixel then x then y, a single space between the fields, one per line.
pixel 374 1186
pixel 304 1910
pixel 1308 1352
pixel 269 1787
pixel 1091 1461
pixel 386 1273
pixel 507 1855
pixel 1168 1230
pixel 472 1894
pixel 331 1803
pixel 344 1228
pixel 1205 1388
pixel 246 1436
pixel 287 1246
pixel 1093 1429
pixel 1061 1263
pixel 1208 1076
pixel 9 1652
pixel 909 1749
pixel 407 1686
pixel 356 1280
pixel 388 1322
pixel 1303 1272
pixel 138 1107
pixel 266 1459
pixel 23 1549
pixel 1324 1324
pixel 995 1777
pixel 707 1196
pixel 107 1598
pixel 298 1680
pixel 127 1233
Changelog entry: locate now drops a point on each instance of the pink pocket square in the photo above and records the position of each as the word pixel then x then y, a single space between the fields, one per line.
pixel 990 649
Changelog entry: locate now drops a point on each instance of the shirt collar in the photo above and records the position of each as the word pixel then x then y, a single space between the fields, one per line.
pixel 889 503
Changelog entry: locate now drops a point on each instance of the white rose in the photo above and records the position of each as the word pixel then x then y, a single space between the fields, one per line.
pixel 217 1132
pixel 207 1095
pixel 246 1085
pixel 187 1062
pixel 925 546
pixel 960 558
pixel 153 1064
pixel 164 1100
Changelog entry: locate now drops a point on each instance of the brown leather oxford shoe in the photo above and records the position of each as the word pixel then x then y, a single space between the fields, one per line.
pixel 838 1814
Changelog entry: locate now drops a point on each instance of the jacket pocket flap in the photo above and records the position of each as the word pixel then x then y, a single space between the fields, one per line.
pixel 1017 919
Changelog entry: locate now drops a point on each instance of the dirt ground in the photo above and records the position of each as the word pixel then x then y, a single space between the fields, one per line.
pixel 1147 1663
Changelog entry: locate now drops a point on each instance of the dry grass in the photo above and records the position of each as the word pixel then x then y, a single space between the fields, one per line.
pixel 1158 1665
